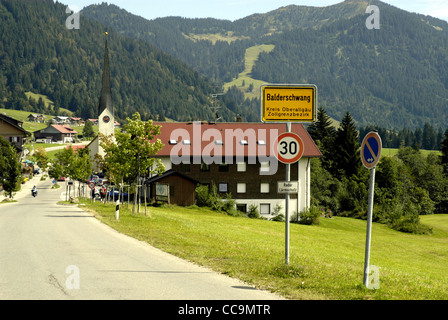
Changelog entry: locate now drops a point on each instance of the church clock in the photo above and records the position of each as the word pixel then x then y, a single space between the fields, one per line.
pixel 106 119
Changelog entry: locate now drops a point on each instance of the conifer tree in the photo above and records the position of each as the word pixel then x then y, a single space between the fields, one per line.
pixel 324 134
pixel 346 156
pixel 444 150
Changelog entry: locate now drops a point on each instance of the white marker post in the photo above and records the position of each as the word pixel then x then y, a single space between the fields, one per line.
pixel 117 210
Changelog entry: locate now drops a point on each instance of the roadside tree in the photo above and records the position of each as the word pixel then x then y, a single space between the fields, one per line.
pixel 9 168
pixel 130 154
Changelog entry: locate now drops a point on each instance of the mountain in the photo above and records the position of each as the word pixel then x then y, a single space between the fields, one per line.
pixel 39 54
pixel 395 77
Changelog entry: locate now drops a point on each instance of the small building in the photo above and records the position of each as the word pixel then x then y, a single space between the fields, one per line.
pixel 60 120
pixel 93 121
pixel 74 121
pixel 56 133
pixel 12 130
pixel 180 190
pixel 38 118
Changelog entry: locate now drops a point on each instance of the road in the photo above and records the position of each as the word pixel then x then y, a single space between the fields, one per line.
pixel 59 252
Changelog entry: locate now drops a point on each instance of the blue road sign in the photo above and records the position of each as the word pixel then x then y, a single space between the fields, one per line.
pixel 371 150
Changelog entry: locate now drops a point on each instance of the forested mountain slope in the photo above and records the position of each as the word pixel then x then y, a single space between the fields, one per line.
pixel 39 54
pixel 396 76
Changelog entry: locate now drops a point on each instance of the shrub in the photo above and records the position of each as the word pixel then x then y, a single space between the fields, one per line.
pixel 210 198
pixel 277 215
pixel 409 220
pixel 229 206
pixel 253 212
pixel 310 216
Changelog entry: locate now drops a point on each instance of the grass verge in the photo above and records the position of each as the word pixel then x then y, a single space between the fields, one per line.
pixel 326 261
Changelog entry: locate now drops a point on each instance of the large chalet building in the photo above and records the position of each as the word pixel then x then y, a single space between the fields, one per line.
pixel 238 158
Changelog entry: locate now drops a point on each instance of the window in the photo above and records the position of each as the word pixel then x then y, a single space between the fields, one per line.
pixel 244 142
pixel 264 188
pixel 223 167
pixel 264 166
pixel 242 207
pixel 241 167
pixel 173 142
pixel 241 188
pixel 261 142
pixel 222 187
pixel 219 142
pixel 265 208
pixel 187 142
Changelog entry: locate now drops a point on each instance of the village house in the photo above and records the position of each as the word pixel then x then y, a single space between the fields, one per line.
pixel 60 120
pixel 74 121
pixel 38 118
pixel 56 133
pixel 238 159
pixel 12 130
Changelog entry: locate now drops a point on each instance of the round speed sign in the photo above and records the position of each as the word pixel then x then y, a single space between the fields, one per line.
pixel 288 148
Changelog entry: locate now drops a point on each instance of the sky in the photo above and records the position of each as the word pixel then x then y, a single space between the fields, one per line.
pixel 237 9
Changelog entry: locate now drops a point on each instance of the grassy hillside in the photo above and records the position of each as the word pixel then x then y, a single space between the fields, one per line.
pixel 245 79
pixel 326 261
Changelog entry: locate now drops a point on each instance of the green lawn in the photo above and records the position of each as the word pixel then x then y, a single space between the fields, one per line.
pixel 326 261
pixel 390 152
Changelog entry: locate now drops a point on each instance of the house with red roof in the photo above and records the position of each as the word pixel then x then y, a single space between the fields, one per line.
pixel 56 133
pixel 238 159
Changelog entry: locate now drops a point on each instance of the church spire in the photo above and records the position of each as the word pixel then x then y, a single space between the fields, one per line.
pixel 106 92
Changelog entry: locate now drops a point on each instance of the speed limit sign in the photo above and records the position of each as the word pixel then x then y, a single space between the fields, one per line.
pixel 288 148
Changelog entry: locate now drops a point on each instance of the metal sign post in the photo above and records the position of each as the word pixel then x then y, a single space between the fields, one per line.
pixel 288 149
pixel 284 103
pixel 370 155
pixel 288 178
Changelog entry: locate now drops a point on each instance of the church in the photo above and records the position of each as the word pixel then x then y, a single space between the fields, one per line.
pixel 106 120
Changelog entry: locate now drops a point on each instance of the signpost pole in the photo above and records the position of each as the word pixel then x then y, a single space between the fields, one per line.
pixel 284 103
pixel 288 179
pixel 370 155
pixel 369 225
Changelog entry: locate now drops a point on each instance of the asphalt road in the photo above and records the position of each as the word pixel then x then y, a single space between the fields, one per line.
pixel 57 252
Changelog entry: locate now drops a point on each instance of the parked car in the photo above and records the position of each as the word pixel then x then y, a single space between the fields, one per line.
pixel 61 179
pixel 115 194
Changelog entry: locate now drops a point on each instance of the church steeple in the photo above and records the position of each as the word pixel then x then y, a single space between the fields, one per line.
pixel 106 92
pixel 106 119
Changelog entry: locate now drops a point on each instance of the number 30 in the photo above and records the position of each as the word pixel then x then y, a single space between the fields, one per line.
pixel 290 148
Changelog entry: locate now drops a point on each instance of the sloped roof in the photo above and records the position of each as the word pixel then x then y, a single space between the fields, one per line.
pixel 14 123
pixel 203 138
pixel 58 128
pixel 64 129
pixel 167 174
